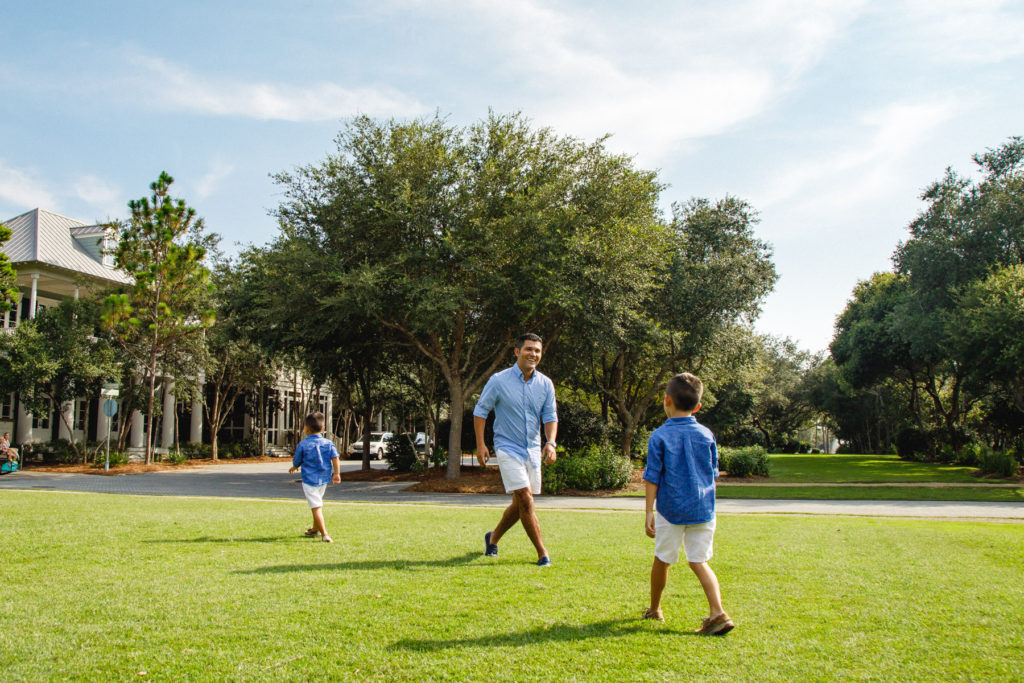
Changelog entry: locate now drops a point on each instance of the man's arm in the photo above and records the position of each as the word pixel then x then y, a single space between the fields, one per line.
pixel 550 432
pixel 652 493
pixel 482 454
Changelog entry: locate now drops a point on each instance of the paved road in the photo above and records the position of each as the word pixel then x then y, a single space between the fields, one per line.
pixel 271 480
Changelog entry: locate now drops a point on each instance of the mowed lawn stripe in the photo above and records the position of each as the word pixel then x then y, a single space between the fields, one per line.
pixel 102 586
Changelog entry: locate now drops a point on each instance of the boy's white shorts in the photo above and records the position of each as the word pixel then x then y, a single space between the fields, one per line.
pixel 697 539
pixel 516 474
pixel 314 495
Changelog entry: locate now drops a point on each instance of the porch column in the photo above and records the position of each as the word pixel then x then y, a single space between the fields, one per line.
pixel 32 296
pixel 76 292
pixel 195 434
pixel 286 405
pixel 23 434
pixel 169 415
pixel 68 410
pixel 138 435
pixel 328 420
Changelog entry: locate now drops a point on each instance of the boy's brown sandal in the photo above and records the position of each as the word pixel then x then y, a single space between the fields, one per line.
pixel 717 626
pixel 311 532
pixel 656 616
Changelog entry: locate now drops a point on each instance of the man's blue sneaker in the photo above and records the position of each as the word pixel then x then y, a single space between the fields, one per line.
pixel 490 549
pixel 544 561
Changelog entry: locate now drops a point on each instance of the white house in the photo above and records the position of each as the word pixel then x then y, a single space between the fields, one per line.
pixel 57 257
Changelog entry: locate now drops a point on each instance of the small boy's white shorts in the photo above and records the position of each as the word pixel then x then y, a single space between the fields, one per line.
pixel 696 539
pixel 314 495
pixel 516 474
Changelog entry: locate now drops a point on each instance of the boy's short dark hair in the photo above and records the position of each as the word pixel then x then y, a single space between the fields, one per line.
pixel 315 422
pixel 685 390
pixel 529 336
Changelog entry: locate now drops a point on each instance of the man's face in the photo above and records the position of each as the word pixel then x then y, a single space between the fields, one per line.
pixel 528 355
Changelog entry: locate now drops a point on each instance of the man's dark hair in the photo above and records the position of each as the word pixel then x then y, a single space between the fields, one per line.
pixel 529 336
pixel 685 391
pixel 315 422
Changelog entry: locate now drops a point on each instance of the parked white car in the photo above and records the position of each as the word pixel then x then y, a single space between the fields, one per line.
pixel 378 445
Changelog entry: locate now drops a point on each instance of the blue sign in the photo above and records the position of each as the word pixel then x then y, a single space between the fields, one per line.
pixel 110 407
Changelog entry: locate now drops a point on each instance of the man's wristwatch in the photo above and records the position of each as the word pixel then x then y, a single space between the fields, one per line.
pixel 552 444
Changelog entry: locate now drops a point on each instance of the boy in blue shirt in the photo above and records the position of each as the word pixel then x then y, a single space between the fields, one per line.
pixel 318 459
pixel 682 465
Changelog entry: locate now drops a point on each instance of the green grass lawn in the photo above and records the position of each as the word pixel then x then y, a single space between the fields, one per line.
pixel 866 469
pixel 106 587
pixel 965 493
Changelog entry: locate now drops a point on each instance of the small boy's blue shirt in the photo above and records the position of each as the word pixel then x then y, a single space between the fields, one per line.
pixel 314 455
pixel 682 459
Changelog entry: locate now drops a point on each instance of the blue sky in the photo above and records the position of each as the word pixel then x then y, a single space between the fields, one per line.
pixel 829 117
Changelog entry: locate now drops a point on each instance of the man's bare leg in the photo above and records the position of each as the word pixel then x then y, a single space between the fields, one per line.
pixel 528 516
pixel 507 521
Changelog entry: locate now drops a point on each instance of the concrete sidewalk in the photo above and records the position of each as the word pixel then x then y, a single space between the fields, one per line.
pixel 271 480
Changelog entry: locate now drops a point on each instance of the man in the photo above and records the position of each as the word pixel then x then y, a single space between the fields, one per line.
pixel 523 401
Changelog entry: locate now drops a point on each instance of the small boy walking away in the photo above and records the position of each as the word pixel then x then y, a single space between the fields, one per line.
pixel 318 459
pixel 682 465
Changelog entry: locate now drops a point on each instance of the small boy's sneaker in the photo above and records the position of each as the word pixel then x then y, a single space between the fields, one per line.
pixel 490 549
pixel 717 626
pixel 544 561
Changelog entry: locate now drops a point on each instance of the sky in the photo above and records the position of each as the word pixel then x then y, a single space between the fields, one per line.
pixel 829 118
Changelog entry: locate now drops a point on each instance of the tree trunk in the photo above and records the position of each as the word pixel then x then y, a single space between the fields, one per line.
pixel 456 408
pixel 149 418
pixel 627 439
pixel 367 418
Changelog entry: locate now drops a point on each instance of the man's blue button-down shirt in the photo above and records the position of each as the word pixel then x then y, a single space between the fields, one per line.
pixel 682 459
pixel 520 409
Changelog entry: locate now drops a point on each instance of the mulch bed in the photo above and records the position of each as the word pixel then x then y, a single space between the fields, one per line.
pixel 138 467
pixel 472 479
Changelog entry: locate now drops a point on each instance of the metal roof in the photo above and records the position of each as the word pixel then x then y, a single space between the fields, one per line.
pixel 46 237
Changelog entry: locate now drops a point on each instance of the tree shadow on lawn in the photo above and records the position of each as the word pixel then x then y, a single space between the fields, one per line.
pixel 237 539
pixel 364 565
pixel 613 628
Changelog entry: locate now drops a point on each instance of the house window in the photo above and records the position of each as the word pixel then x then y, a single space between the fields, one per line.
pixel 42 421
pixel 81 411
pixel 6 406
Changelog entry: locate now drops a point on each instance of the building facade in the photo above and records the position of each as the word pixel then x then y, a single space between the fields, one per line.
pixel 56 258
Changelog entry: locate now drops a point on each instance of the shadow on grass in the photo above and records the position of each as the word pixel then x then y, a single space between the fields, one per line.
pixel 613 628
pixel 356 565
pixel 236 539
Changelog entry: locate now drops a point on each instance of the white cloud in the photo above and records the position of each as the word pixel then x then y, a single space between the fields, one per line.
pixel 680 72
pixel 22 189
pixel 964 31
pixel 862 163
pixel 171 86
pixel 210 182
pixel 100 194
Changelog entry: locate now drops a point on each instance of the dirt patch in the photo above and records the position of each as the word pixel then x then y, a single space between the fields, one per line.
pixel 139 468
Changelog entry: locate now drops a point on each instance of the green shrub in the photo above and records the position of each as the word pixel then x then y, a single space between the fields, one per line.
pixel 579 427
pixel 175 457
pixel 250 446
pixel 744 462
pixel 913 444
pixel 438 457
pixel 116 458
pixel 998 463
pixel 598 466
pixel 193 450
pixel 401 453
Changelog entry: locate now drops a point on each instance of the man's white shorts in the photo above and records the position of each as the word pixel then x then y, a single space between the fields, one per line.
pixel 516 474
pixel 314 494
pixel 697 539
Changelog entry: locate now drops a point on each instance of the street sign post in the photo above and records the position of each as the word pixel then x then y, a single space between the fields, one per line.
pixel 110 410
